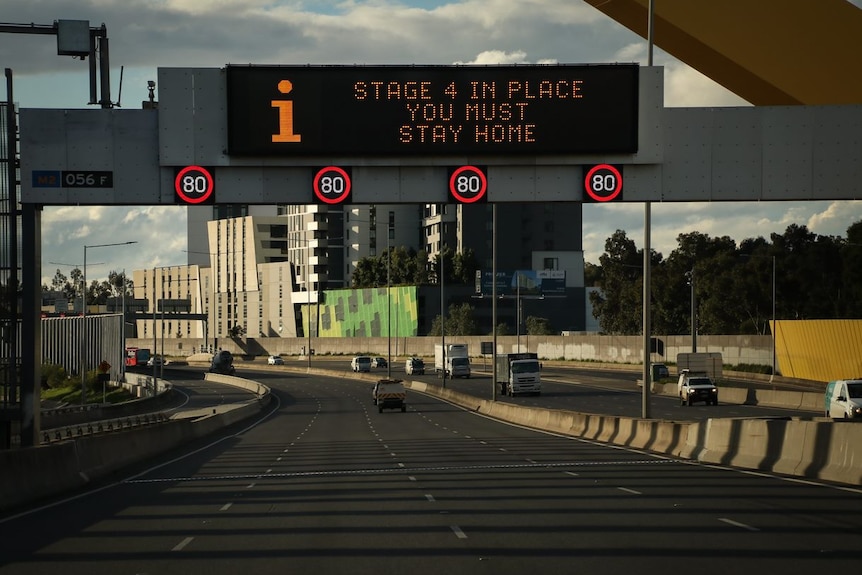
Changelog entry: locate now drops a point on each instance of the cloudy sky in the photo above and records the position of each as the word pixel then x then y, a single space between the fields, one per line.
pixel 149 34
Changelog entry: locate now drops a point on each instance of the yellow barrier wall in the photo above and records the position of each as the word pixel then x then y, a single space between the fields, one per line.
pixel 819 350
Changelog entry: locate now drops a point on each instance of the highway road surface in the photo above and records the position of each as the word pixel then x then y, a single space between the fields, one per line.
pixel 325 484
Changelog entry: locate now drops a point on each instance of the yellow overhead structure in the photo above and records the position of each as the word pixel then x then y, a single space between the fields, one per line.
pixel 819 350
pixel 769 52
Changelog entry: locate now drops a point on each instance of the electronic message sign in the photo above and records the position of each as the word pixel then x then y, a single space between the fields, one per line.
pixel 432 110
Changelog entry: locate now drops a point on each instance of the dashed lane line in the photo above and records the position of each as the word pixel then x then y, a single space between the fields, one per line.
pixel 400 469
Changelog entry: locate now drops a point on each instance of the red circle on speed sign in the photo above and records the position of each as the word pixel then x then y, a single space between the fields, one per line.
pixel 603 182
pixel 468 184
pixel 194 184
pixel 331 185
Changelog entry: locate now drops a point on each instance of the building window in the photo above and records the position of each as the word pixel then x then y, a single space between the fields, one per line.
pixel 551 263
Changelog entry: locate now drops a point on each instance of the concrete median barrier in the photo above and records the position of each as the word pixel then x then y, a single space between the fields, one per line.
pixel 826 450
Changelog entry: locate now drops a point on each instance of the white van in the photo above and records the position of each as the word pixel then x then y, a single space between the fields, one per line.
pixel 360 363
pixel 844 399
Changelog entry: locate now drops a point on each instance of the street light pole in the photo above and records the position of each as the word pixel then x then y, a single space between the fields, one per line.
pixel 308 298
pixel 123 332
pixel 518 311
pixel 442 309
pixel 693 313
pixel 774 322
pixel 389 238
pixel 84 330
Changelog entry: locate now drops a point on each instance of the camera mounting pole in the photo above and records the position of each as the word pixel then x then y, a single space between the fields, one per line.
pixel 76 38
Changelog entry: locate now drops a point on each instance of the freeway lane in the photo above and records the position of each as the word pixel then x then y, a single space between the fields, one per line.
pixel 611 393
pixel 325 484
pixel 584 390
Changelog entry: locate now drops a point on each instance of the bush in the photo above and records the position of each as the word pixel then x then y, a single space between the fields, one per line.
pixel 54 376
pixel 751 368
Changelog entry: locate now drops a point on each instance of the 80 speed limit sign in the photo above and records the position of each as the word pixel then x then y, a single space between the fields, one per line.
pixel 603 183
pixel 468 184
pixel 331 185
pixel 194 185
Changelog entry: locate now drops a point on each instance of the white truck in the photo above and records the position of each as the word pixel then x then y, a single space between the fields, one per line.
pixel 389 394
pixel 453 361
pixel 695 386
pixel 519 373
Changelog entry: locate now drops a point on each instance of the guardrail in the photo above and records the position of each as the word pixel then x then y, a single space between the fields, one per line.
pixel 55 434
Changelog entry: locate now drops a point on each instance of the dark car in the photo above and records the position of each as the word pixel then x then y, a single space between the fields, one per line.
pixel 414 366
pixel 223 363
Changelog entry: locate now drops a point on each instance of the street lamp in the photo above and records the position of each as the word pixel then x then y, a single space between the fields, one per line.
pixel 84 331
pixel 518 311
pixel 389 238
pixel 690 275
pixel 442 309
pixel 774 322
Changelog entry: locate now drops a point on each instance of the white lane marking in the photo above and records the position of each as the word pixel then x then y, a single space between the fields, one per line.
pixel 339 472
pixel 528 460
pixel 268 471
pixel 279 459
pixel 181 545
pixel 458 533
pixel 250 485
pixel 430 497
pixel 411 478
pixel 484 442
pixel 572 473
pixel 627 490
pixel 225 507
pixel 738 524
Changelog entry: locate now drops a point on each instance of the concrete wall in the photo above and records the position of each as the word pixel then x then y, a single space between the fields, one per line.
pixel 34 473
pixel 600 348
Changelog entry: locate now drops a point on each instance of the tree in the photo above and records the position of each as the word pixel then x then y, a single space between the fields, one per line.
pixel 618 305
pixel 59 281
pixel 460 320
pixel 538 326
pixel 851 258
pixel 464 264
pixel 408 267
pixel 592 275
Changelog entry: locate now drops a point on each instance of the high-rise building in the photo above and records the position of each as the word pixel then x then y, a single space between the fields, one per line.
pixel 323 245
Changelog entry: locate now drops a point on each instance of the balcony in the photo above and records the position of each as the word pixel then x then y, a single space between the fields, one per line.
pixel 317 226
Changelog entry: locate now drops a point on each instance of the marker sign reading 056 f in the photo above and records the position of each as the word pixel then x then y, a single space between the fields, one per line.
pixel 331 185
pixel 603 183
pixel 72 179
pixel 194 185
pixel 397 110
pixel 468 184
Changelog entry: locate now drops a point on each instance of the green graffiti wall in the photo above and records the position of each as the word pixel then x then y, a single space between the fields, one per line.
pixel 365 313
